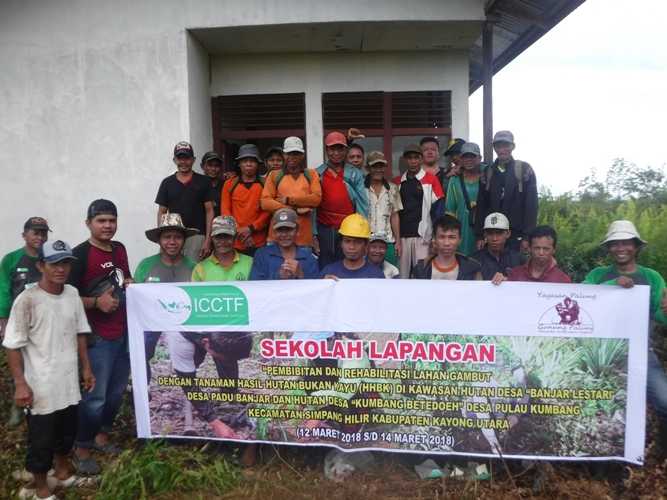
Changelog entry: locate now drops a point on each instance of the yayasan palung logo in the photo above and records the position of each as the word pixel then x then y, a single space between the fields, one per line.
pixel 205 305
pixel 566 317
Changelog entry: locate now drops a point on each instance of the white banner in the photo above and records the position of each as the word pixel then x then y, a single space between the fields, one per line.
pixel 463 368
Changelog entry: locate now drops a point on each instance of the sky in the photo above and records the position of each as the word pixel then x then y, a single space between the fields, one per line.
pixel 591 90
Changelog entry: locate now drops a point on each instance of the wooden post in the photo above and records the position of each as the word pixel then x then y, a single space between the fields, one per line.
pixel 487 75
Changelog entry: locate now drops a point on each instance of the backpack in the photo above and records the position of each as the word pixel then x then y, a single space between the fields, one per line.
pixel 237 181
pixel 281 175
pixel 518 173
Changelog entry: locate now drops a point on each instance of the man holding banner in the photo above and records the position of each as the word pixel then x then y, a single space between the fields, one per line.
pixel 623 244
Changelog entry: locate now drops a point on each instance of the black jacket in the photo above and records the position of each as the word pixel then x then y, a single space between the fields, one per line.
pixel 520 206
pixel 468 269
pixel 490 265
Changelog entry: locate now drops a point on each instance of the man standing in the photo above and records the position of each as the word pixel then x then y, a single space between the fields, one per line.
pixel 274 159
pixel 45 342
pixel 452 163
pixel 377 252
pixel 225 263
pixel 384 205
pixel 446 264
pixel 189 194
pixel 430 147
pixel 355 232
pixel 419 191
pixel 101 273
pixel 167 266
pixel 343 193
pixel 17 270
pixel 541 266
pixel 623 244
pixel 211 165
pixel 508 186
pixel 294 186
pixel 285 259
pixel 241 200
pixel 495 257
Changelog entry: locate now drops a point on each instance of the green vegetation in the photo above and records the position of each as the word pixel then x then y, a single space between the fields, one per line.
pixel 581 219
pixel 158 469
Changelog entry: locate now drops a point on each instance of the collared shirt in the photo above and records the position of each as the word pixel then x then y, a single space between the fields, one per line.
pixel 492 264
pixel 210 269
pixel 267 261
pixel 380 208
pixel 551 275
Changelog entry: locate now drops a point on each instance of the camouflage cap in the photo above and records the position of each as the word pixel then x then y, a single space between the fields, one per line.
pixel 223 224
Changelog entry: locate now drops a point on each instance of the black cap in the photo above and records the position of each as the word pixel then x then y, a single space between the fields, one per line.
pixel 102 207
pixel 210 155
pixel 183 148
pixel 36 223
pixel 454 148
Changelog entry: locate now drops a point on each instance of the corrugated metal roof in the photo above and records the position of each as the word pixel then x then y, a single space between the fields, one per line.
pixel 517 25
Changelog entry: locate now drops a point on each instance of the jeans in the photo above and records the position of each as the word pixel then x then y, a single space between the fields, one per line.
pixel 110 363
pixel 330 250
pixel 656 387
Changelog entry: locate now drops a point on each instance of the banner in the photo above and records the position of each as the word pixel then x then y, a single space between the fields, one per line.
pixel 522 370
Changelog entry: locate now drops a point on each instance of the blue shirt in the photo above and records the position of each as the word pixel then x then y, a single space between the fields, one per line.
pixel 268 259
pixel 368 270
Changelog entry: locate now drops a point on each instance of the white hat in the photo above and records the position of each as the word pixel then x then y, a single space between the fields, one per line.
pixel 622 230
pixel 496 220
pixel 293 145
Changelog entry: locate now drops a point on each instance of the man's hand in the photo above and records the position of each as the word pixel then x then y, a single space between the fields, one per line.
pixel 454 170
pixel 397 248
pixel 625 282
pixel 243 234
pixel 23 395
pixel 498 278
pixel 205 249
pixel 316 245
pixel 303 210
pixel 479 244
pixel 331 277
pixel 127 282
pixel 282 199
pixel 290 269
pixel 106 302
pixel 88 379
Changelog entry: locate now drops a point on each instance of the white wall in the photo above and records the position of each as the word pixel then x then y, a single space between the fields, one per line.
pixel 344 72
pixel 94 94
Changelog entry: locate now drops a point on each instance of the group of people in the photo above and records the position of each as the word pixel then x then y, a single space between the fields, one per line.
pixel 61 307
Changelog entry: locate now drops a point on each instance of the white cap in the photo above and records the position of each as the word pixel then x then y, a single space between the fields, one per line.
pixel 496 220
pixel 293 145
pixel 622 230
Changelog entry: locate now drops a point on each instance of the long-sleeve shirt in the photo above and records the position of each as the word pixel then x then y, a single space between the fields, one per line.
pixel 301 193
pixel 242 201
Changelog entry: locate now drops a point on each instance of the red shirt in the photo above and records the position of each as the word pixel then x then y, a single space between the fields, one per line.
pixel 336 203
pixel 100 263
pixel 551 275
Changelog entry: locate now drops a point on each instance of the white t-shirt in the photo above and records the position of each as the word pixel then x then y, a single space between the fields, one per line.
pixel 44 327
pixel 437 274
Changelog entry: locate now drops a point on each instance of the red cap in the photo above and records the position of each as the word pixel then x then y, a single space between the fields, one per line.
pixel 334 138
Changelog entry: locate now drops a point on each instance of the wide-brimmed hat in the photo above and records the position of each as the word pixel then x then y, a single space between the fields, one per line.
pixel 622 230
pixel 170 222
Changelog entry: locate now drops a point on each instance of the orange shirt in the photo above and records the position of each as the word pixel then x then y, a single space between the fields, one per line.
pixel 243 203
pixel 300 193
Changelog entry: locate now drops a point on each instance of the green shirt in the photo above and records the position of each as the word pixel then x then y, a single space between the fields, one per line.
pixel 153 270
pixel 456 205
pixel 606 275
pixel 210 269
pixel 17 269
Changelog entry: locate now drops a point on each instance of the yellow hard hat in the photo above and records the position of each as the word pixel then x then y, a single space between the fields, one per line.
pixel 355 226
